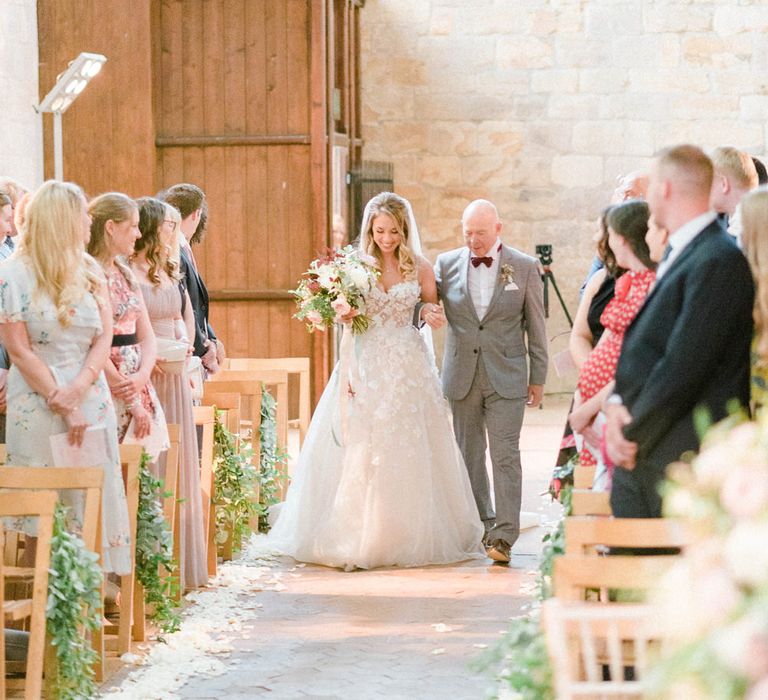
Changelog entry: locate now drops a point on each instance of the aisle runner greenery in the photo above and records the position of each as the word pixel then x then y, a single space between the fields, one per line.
pixel 155 566
pixel 74 604
pixel 522 653
pixel 272 456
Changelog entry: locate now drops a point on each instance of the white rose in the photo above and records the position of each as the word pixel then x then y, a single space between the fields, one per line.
pixel 326 275
pixel 746 554
pixel 360 278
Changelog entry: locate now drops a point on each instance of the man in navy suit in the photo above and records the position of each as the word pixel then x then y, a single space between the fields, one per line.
pixel 190 201
pixel 688 347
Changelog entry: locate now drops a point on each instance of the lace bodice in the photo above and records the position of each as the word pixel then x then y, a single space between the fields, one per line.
pixel 393 308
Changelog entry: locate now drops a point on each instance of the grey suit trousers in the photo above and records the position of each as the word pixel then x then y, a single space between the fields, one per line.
pixel 480 410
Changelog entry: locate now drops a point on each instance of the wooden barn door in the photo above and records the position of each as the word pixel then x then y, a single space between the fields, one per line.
pixel 240 109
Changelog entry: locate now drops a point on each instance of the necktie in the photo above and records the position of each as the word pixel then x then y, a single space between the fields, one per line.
pixel 486 260
pixel 9 242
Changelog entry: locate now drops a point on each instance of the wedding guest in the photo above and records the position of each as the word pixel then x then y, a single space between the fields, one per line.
pixel 190 201
pixel 627 227
pixel 158 280
pixel 56 324
pixel 762 173
pixel 114 231
pixel 755 242
pixel 689 344
pixel 6 249
pixel 735 175
pixel 15 192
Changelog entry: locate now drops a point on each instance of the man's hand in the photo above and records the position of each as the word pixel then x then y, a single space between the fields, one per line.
pixel 535 395
pixel 432 315
pixel 621 451
pixel 209 359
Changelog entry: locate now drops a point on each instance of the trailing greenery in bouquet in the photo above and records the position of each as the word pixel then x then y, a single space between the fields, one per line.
pixel 334 287
pixel 714 602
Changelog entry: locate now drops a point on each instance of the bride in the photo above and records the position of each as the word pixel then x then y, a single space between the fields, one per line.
pixel 397 492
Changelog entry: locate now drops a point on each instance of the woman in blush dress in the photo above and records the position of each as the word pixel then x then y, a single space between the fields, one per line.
pixel 56 323
pixel 627 228
pixel 397 492
pixel 114 231
pixel 159 283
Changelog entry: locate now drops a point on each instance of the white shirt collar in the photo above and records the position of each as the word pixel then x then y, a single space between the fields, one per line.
pixel 688 231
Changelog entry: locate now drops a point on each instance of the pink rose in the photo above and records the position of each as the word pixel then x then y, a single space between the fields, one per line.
pixel 744 493
pixel 341 306
pixel 759 691
pixel 314 317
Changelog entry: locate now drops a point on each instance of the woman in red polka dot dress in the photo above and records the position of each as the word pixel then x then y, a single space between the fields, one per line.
pixel 627 226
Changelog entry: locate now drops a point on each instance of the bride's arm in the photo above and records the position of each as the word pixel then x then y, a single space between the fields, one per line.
pixel 432 311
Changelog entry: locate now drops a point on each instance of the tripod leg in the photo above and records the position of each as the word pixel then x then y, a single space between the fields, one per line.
pixel 551 275
pixel 545 280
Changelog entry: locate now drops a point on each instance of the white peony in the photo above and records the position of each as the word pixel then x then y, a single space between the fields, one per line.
pixel 360 278
pixel 746 554
pixel 326 276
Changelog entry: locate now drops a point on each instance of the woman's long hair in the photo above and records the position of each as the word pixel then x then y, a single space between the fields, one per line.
pixel 754 237
pixel 152 213
pixel 112 206
pixel 52 243
pixel 630 221
pixel 395 206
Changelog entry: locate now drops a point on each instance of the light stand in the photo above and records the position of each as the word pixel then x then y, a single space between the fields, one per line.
pixel 68 86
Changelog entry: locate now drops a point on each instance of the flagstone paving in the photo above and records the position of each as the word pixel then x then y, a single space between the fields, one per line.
pixel 389 633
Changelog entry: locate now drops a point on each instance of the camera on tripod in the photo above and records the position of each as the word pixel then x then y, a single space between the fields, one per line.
pixel 544 253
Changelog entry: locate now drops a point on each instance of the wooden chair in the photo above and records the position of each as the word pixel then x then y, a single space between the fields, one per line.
pixel 171 509
pixel 3 453
pixel 574 575
pixel 585 639
pixel 296 366
pixel 583 534
pixel 40 504
pixel 205 417
pixel 588 502
pixel 583 477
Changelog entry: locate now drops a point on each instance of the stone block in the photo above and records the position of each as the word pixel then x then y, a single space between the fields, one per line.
pixel 739 81
pixel 738 19
pixel 632 106
pixel 573 107
pixel 547 138
pixel 455 53
pixel 577 171
pixel 603 80
pixel 397 71
pixel 559 80
pixel 404 136
pixel 523 52
pixel 456 138
pixel 577 51
pixel 440 171
pixel 710 133
pixel 665 80
pixel 753 107
pixel 532 203
pixel 676 17
pixel 719 52
pixel 604 20
pixel 713 106
pixel 561 20
pixel 441 21
pixel 609 137
pixel 503 137
pixel 649 51
pixel 387 102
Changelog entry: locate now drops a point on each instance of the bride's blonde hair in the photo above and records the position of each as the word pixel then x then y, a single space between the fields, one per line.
pixel 396 207
pixel 52 242
pixel 754 220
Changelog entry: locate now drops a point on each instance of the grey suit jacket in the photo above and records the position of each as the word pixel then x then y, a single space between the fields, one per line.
pixel 501 334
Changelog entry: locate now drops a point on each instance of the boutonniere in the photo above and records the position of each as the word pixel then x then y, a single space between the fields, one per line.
pixel 508 276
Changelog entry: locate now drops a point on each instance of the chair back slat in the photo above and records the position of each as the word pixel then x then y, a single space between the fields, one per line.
pixel 583 533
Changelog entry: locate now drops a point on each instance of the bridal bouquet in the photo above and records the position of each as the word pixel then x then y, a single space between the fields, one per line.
pixel 334 288
pixel 715 601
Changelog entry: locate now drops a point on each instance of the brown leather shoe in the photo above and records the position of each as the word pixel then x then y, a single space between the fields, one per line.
pixel 499 550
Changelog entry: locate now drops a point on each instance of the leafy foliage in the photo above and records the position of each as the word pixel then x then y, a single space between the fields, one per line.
pixel 154 552
pixel 74 603
pixel 272 456
pixel 235 477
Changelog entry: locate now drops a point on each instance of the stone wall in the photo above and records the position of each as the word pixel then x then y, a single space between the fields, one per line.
pixel 21 154
pixel 539 105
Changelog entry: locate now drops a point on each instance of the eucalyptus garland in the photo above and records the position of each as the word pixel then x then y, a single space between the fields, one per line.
pixel 272 456
pixel 154 552
pixel 235 477
pixel 74 603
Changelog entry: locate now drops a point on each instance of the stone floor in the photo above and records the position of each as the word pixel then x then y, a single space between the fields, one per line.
pixel 389 633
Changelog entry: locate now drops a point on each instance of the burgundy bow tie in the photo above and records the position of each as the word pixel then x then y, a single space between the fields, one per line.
pixel 487 261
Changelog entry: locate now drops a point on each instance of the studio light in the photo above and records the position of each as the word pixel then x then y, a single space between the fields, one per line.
pixel 68 86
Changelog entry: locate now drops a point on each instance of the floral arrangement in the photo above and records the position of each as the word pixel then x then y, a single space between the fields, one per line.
pixel 334 288
pixel 714 602
pixel 508 274
pixel 156 568
pixel 272 456
pixel 73 607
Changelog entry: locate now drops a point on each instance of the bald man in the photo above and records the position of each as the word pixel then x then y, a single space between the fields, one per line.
pixel 493 300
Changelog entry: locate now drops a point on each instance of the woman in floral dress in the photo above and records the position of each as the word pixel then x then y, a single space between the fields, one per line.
pixel 114 231
pixel 56 324
pixel 627 227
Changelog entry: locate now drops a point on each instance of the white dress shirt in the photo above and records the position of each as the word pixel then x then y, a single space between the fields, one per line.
pixel 482 280
pixel 682 238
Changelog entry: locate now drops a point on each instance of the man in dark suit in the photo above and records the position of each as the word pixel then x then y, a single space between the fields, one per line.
pixel 688 347
pixel 190 201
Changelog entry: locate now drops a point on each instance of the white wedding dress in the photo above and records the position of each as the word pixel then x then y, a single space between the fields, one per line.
pixel 398 493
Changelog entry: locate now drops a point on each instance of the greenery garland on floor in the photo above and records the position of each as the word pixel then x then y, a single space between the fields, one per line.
pixel 155 567
pixel 74 603
pixel 272 456
pixel 235 479
pixel 522 653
